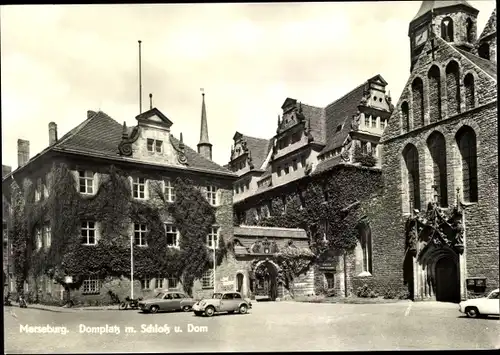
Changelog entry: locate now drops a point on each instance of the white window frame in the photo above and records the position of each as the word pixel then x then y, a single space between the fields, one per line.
pixel 87 180
pixel 170 228
pixel 140 230
pixel 159 281
pixel 170 280
pixel 213 238
pixel 91 286
pixel 160 145
pixel 211 195
pixel 88 226
pixel 47 235
pixel 168 190
pixel 208 275
pixel 38 190
pixel 146 283
pixel 136 181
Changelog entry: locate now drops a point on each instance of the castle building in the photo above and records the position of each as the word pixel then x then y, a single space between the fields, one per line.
pixel 152 158
pixel 332 143
pixel 440 161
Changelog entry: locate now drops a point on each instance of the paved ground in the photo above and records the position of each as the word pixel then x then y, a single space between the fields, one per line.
pixel 271 326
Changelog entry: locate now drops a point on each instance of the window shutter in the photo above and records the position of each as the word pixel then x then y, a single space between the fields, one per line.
pixel 77 179
pixel 95 183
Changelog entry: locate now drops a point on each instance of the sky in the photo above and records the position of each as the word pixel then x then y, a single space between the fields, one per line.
pixel 58 61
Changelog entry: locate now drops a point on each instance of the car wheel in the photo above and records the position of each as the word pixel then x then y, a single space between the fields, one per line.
pixel 209 311
pixel 186 308
pixel 123 306
pixel 471 312
pixel 153 309
pixel 243 309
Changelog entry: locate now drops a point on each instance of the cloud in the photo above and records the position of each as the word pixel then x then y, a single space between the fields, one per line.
pixel 60 61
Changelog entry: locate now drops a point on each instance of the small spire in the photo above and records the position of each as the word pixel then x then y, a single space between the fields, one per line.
pixel 150 101
pixel 124 132
pixel 204 146
pixel 300 107
pixel 181 142
pixel 279 119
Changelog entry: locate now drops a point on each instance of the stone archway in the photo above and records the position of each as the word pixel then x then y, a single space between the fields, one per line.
pixel 266 281
pixel 440 270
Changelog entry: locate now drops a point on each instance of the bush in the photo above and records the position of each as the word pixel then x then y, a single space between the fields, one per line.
pixel 366 292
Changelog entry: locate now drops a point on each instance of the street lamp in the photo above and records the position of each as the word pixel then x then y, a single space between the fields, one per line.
pixel 213 244
pixel 131 267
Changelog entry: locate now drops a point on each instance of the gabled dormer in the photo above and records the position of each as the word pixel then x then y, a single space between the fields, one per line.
pixel 150 140
pixel 291 116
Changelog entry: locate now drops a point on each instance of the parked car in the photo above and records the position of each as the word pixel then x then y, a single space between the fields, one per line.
pixel 229 302
pixel 484 306
pixel 167 301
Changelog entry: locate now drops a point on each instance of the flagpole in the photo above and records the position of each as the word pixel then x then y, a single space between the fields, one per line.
pixel 140 80
pixel 131 268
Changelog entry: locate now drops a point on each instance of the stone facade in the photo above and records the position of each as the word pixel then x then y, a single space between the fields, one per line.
pixel 458 91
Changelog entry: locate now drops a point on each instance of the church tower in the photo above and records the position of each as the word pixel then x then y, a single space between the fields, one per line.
pixel 454 21
pixel 204 146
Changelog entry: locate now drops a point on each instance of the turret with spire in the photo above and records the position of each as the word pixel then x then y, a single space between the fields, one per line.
pixel 204 146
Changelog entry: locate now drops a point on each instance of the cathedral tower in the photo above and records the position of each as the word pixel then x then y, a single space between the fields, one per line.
pixel 454 21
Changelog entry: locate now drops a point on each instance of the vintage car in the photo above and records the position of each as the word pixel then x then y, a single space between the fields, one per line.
pixel 229 302
pixel 167 301
pixel 484 306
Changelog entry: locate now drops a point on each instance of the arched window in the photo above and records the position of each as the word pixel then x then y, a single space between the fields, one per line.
pixel 469 27
pixel 469 91
pixel 365 242
pixel 452 88
pixel 484 51
pixel 435 93
pixel 437 148
pixel 405 115
pixel 466 140
pixel 447 29
pixel 417 88
pixel 410 155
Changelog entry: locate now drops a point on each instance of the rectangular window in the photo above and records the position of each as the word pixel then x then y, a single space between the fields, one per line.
pixel 172 235
pixel 38 190
pixel 139 188
pixel 374 150
pixel 159 282
pixel 140 231
pixel 294 164
pixel 150 144
pixel 278 171
pixel 207 280
pixel 247 185
pixel 212 195
pixel 47 235
pixel 365 120
pixel 88 233
pixel 145 283
pixel 287 169
pixel 213 238
pixel 39 239
pixel 91 285
pixel 383 124
pixel 172 282
pixel 168 190
pixel 158 146
pixel 86 179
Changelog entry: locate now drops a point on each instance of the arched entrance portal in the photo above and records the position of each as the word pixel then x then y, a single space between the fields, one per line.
pixel 440 277
pixel 265 285
pixel 447 286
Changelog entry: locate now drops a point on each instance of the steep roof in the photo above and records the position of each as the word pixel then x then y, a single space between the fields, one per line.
pixel 491 25
pixel 340 113
pixel 258 147
pixel 484 64
pixel 433 5
pixel 101 134
pixel 316 117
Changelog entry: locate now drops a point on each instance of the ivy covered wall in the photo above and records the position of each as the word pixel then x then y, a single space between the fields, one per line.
pixel 114 211
pixel 329 206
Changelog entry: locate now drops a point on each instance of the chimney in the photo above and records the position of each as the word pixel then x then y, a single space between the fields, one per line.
pixel 52 133
pixel 90 114
pixel 23 152
pixel 6 169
